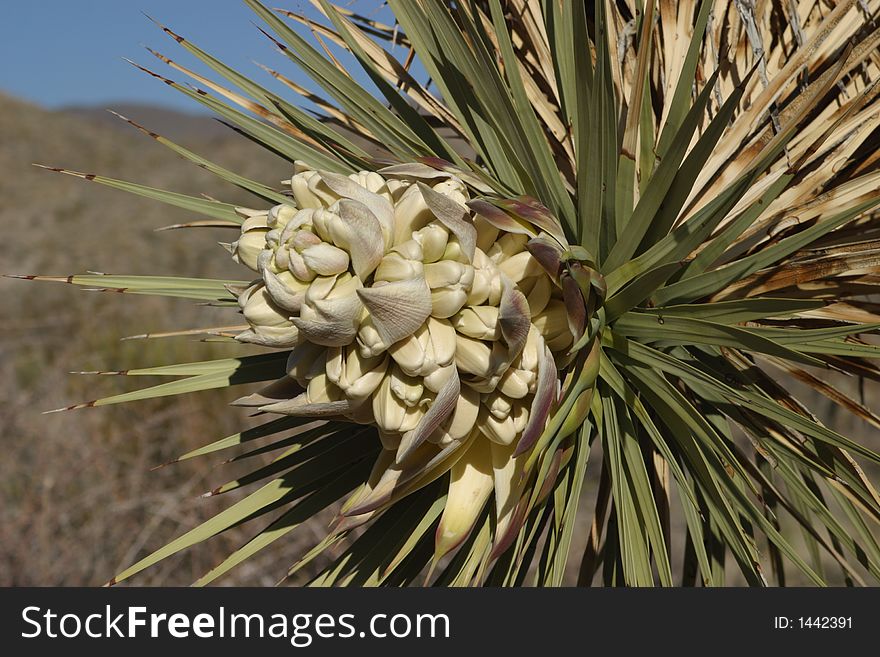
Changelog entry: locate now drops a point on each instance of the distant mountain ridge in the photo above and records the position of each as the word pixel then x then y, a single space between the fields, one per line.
pixel 170 123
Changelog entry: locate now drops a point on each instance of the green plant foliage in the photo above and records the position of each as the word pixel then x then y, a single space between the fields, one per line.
pixel 713 167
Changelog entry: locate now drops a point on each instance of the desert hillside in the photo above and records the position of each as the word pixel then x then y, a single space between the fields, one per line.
pixel 77 497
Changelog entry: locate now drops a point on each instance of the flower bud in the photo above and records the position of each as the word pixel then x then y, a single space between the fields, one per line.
pixel 325 259
pixel 520 415
pixel 306 361
pixel 507 246
pixel 438 378
pixel 433 239
pixel 303 239
pixel 373 182
pixel 487 234
pixel 406 388
pixel 478 322
pixel 396 188
pixel 487 284
pixel 331 310
pixel 280 215
pixel 552 322
pixel 520 266
pixel 247 248
pixel 450 282
pixel 369 341
pixel 538 290
pixel 357 377
pixel 351 226
pixel 431 347
pixel 411 213
pixel 454 252
pixel 286 290
pixel 259 309
pixel 501 430
pixel 401 264
pixel 517 383
pixel 452 188
pixel 473 356
pixel 310 191
pixel 270 325
pixel 391 412
pixel 462 421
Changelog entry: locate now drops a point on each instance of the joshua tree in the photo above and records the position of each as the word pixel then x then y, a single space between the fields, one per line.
pixel 609 231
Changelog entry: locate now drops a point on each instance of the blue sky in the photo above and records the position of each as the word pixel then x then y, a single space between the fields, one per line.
pixel 69 52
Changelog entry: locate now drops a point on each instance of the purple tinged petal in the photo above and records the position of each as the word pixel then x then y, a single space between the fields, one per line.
pixel 548 254
pixel 575 306
pixel 366 244
pixel 499 218
pixel 529 209
pixel 436 162
pixel 505 540
pixel 441 408
pixel 545 396
pixel 515 319
pixel 347 188
pixel 454 216
pixel 398 309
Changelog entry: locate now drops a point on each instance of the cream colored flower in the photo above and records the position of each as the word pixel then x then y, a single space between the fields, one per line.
pixel 247 248
pixel 409 312
pixel 271 326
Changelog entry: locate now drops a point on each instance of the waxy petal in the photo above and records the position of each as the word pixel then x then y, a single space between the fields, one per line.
pixel 358 231
pixel 545 397
pixel 454 216
pixel 529 209
pixel 325 259
pixel 260 309
pixel 509 485
pixel 441 408
pixel 499 218
pixel 470 484
pixel 397 309
pixel 379 206
pixel 548 253
pixel 246 249
pixel 286 291
pixel 514 318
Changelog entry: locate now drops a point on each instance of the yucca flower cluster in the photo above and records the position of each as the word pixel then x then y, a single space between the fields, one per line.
pixel 407 310
pixel 589 232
